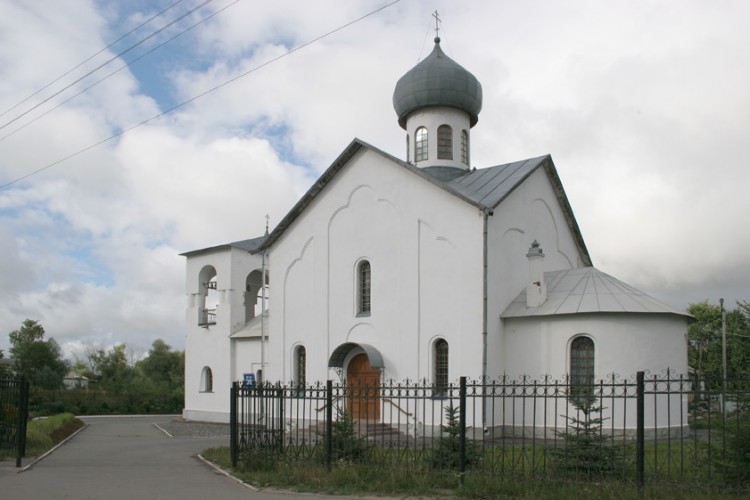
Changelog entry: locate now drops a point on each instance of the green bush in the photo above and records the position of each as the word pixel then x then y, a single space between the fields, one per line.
pixel 586 451
pixel 734 459
pixel 346 444
pixel 447 453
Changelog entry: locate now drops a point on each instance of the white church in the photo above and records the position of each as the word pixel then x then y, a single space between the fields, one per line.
pixel 418 268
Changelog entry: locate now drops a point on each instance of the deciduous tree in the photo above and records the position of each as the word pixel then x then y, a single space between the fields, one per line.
pixel 705 342
pixel 39 360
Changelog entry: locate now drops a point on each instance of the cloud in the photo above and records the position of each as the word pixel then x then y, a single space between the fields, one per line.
pixel 643 107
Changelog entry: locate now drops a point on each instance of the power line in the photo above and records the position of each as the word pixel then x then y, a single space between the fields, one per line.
pixel 90 58
pixel 137 44
pixel 130 63
pixel 198 96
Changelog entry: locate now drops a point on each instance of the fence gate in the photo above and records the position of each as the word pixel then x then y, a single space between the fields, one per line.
pixel 256 420
pixel 14 412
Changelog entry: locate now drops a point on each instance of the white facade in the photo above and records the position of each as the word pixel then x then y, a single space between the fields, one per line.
pixel 390 259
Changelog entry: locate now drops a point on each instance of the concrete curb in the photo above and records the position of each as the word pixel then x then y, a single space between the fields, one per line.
pixel 222 471
pixel 49 452
pixel 140 415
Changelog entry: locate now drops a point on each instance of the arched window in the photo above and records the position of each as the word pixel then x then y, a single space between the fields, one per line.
pixel 408 153
pixel 252 293
pixel 582 371
pixel 207 380
pixel 440 357
pixel 465 147
pixel 208 298
pixel 300 366
pixel 420 144
pixel 363 287
pixel 445 143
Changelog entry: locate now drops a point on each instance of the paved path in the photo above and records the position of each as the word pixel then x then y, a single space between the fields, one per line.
pixel 128 458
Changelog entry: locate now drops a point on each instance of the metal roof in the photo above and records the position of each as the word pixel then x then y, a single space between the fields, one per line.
pixel 339 355
pixel 587 290
pixel 252 328
pixel 252 245
pixel 489 186
pixel 437 81
pixel 484 188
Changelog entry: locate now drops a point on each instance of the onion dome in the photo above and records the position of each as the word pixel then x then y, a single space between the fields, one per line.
pixel 437 81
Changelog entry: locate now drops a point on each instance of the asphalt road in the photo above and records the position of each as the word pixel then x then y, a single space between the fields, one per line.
pixel 128 458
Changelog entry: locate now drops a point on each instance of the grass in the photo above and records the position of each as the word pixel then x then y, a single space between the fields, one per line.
pixel 672 472
pixel 43 434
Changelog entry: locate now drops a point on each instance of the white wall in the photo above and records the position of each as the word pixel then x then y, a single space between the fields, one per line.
pixel 425 249
pixel 210 345
pixel 624 344
pixel 531 212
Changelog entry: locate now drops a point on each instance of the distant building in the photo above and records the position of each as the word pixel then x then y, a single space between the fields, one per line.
pixel 75 381
pixel 423 268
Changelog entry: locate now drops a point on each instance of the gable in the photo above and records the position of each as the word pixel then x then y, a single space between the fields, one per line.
pixel 484 188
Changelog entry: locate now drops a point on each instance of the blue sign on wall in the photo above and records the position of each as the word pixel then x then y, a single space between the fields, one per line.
pixel 248 380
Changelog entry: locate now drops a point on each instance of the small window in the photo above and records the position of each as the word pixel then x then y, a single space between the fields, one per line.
pixel 207 380
pixel 445 143
pixel 465 147
pixel 363 287
pixel 582 371
pixel 408 153
pixel 440 356
pixel 420 144
pixel 300 366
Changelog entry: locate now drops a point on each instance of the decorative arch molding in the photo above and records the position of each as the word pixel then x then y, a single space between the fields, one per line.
pixel 443 239
pixel 348 203
pixel 512 230
pixel 546 208
pixel 297 259
pixel 287 272
pixel 359 329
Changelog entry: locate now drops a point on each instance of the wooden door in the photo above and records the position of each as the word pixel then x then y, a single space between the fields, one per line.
pixel 364 389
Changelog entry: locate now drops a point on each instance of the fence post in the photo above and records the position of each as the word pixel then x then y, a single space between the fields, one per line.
pixel 282 438
pixel 233 451
pixel 462 429
pixel 639 437
pixel 329 422
pixel 23 418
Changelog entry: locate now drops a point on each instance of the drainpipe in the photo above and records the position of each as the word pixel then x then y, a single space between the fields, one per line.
pixel 262 316
pixel 486 214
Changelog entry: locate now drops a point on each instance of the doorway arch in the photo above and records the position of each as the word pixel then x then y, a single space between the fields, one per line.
pixel 359 367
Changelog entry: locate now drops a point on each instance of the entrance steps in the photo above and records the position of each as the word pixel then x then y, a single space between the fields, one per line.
pixel 371 430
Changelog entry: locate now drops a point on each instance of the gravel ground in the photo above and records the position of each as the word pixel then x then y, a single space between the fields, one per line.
pixel 180 428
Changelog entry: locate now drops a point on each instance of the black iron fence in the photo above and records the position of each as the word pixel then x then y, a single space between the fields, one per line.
pixel 14 398
pixel 640 430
